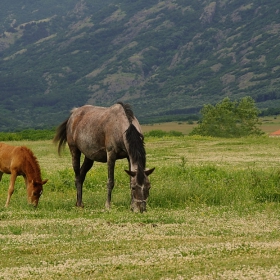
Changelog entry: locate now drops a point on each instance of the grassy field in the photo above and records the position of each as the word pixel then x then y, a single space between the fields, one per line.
pixel 213 213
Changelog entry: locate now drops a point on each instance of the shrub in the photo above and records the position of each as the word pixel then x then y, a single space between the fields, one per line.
pixel 229 119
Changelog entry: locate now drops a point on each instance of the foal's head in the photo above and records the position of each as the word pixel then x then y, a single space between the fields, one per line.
pixel 140 188
pixel 34 191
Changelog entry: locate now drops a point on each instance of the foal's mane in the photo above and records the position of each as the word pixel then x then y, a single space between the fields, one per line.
pixel 136 143
pixel 32 162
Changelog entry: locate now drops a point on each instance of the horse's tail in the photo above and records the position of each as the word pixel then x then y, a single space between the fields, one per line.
pixel 61 136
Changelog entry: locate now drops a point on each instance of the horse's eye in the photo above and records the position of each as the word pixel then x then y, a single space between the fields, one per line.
pixel 37 193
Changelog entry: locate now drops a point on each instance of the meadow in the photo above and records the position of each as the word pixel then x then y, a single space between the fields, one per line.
pixel 213 213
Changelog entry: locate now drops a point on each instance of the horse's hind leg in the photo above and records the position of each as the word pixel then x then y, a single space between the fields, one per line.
pixel 11 187
pixel 86 166
pixel 80 173
pixel 76 154
pixel 111 160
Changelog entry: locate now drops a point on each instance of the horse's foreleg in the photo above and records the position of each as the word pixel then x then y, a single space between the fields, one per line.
pixel 111 159
pixel 1 174
pixel 11 187
pixel 131 194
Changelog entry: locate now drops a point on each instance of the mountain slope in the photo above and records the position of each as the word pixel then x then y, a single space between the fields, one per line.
pixel 163 57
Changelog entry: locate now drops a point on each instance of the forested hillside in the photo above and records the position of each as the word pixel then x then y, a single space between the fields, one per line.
pixel 167 58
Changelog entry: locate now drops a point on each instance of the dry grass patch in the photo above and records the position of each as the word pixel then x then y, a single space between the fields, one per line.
pixel 204 244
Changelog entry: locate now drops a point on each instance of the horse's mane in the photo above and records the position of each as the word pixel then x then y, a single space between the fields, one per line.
pixel 136 143
pixel 128 111
pixel 33 164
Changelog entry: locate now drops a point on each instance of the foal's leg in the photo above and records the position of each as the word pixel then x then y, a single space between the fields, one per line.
pixel 1 174
pixel 11 187
pixel 26 184
pixel 111 159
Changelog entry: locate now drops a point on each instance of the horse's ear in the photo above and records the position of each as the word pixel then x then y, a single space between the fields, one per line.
pixel 149 172
pixel 37 183
pixel 130 173
pixel 44 182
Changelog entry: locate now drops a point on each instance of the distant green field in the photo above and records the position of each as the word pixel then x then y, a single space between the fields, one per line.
pixel 183 127
pixel 269 124
pixel 213 213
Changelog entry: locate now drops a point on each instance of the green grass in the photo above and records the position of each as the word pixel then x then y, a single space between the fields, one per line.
pixel 29 134
pixel 213 213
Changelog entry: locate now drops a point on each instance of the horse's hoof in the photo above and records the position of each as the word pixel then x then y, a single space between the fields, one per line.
pixel 80 205
pixel 107 205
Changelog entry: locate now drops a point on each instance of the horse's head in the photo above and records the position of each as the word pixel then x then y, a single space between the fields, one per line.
pixel 34 191
pixel 140 188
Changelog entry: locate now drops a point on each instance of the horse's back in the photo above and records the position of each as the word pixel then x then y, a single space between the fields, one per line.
pixel 6 150
pixel 95 130
pixel 87 121
pixel 8 156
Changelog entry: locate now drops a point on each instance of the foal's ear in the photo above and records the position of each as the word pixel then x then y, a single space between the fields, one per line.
pixel 130 173
pixel 150 171
pixel 37 183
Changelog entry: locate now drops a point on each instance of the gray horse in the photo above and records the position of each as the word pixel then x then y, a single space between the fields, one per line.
pixel 105 135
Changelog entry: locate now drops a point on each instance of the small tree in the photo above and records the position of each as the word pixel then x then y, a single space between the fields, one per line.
pixel 229 119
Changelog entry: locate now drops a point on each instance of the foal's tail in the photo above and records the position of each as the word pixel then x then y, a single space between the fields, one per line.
pixel 61 136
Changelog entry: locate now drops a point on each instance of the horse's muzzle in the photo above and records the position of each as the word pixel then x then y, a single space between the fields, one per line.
pixel 33 203
pixel 139 206
pixel 142 207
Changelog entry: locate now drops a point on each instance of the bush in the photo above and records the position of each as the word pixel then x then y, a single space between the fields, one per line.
pixel 229 119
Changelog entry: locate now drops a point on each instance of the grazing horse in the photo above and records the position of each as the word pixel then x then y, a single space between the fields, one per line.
pixel 105 135
pixel 19 160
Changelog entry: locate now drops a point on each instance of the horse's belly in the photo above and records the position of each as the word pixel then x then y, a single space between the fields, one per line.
pixel 5 166
pixel 100 156
pixel 5 170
